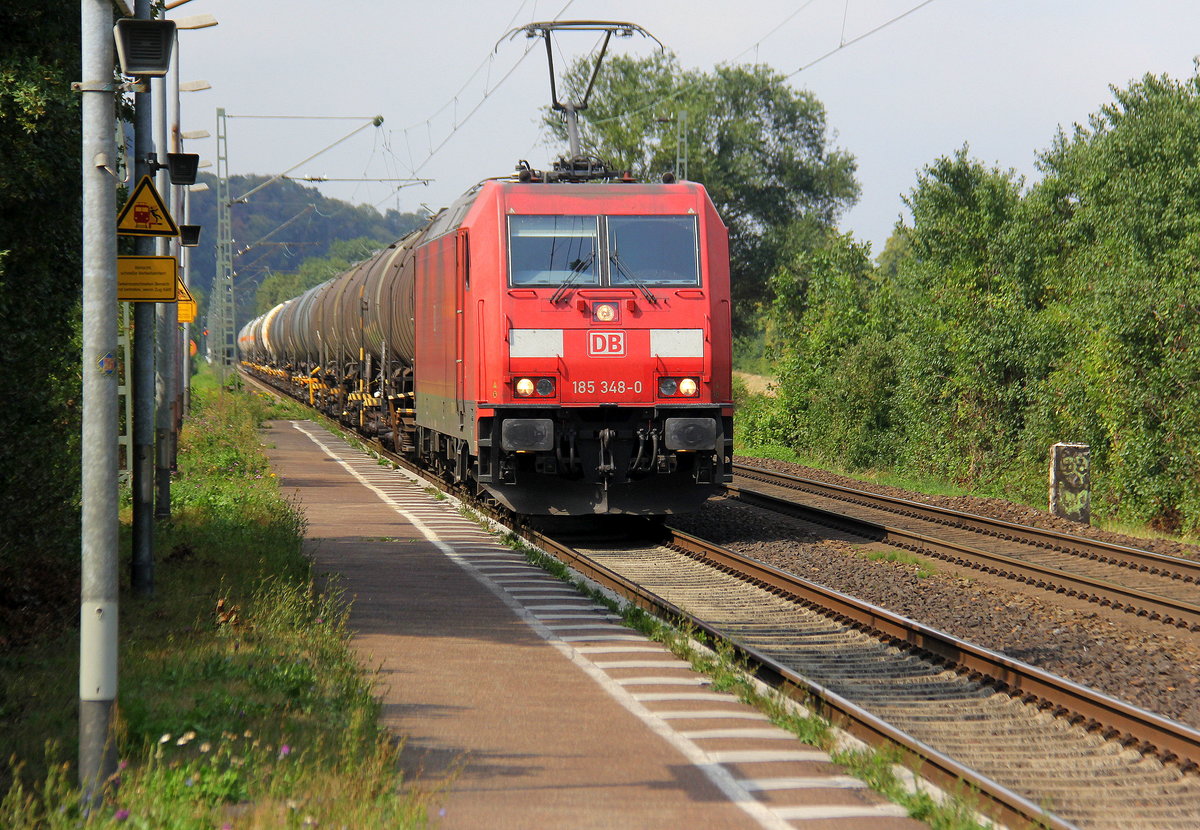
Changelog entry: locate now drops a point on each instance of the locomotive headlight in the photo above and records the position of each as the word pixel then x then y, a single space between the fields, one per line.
pixel 524 387
pixel 678 387
pixel 604 312
pixel 545 387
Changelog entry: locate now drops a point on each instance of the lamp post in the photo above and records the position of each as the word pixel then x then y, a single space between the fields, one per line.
pixel 99 517
pixel 167 377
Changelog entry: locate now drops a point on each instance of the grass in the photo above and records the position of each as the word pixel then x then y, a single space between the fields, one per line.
pixel 240 703
pixel 923 567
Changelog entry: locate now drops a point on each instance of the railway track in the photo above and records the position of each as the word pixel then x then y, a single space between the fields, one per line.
pixel 1037 748
pixel 1151 585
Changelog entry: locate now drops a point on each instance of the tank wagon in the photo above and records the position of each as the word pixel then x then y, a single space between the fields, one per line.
pixel 563 346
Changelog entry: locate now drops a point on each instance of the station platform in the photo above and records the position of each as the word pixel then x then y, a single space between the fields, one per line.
pixel 530 704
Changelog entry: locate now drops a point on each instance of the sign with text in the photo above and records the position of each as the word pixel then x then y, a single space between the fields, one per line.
pixel 606 343
pixel 146 279
pixel 187 304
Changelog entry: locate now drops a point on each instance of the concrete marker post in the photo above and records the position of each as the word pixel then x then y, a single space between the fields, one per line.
pixel 1071 482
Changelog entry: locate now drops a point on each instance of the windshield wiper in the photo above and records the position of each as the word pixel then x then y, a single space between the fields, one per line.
pixel 629 277
pixel 565 288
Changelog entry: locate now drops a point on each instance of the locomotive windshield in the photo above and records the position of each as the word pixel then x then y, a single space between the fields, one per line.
pixel 655 250
pixel 638 250
pixel 547 250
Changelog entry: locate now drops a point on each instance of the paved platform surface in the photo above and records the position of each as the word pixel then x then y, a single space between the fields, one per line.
pixel 533 703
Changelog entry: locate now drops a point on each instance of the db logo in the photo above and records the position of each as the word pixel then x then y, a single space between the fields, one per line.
pixel 606 343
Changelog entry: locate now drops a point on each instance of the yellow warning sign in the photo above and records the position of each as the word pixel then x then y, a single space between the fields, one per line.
pixel 145 214
pixel 187 304
pixel 146 279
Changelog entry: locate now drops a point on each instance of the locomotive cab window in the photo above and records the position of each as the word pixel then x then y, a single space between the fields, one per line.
pixel 655 250
pixel 548 250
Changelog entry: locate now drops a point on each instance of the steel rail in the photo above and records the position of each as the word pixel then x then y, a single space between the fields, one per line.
pixel 1002 804
pixel 1102 592
pixel 1146 561
pixel 1172 742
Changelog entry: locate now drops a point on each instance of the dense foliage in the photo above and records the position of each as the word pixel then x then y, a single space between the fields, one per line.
pixel 759 146
pixel 40 270
pixel 1007 318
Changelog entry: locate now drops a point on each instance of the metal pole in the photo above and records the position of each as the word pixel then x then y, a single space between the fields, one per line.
pixel 178 338
pixel 167 321
pixel 185 352
pixel 142 463
pixel 221 312
pixel 98 587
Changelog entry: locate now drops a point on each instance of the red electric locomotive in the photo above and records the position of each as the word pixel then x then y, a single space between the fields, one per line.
pixel 560 341
pixel 565 346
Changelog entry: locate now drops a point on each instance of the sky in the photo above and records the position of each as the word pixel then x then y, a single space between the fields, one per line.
pixel 903 81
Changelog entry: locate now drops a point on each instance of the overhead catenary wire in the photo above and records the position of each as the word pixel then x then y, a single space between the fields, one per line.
pixel 841 45
pixel 855 40
pixel 414 167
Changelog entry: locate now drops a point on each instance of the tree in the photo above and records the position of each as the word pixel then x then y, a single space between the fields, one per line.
pixel 759 146
pixel 40 269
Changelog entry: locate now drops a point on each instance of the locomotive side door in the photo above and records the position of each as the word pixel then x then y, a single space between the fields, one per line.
pixel 462 261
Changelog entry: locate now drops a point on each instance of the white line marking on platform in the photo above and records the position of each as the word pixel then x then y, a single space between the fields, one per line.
pixel 839 811
pixel 763 756
pixel 770 733
pixel 591 615
pixel 665 681
pixel 716 714
pixel 656 697
pixel 599 625
pixel 649 648
pixel 818 782
pixel 540 593
pixel 642 664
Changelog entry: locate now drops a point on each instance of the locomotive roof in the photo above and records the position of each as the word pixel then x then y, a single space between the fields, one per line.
pixel 451 218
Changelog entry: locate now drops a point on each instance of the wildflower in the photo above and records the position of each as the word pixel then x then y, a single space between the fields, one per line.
pixel 121 815
pixel 205 747
pixel 185 738
pixel 285 751
pixel 165 738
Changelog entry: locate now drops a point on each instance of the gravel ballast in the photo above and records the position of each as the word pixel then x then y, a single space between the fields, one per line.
pixel 1145 663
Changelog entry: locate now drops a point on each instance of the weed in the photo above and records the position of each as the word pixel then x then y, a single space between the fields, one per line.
pixel 924 567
